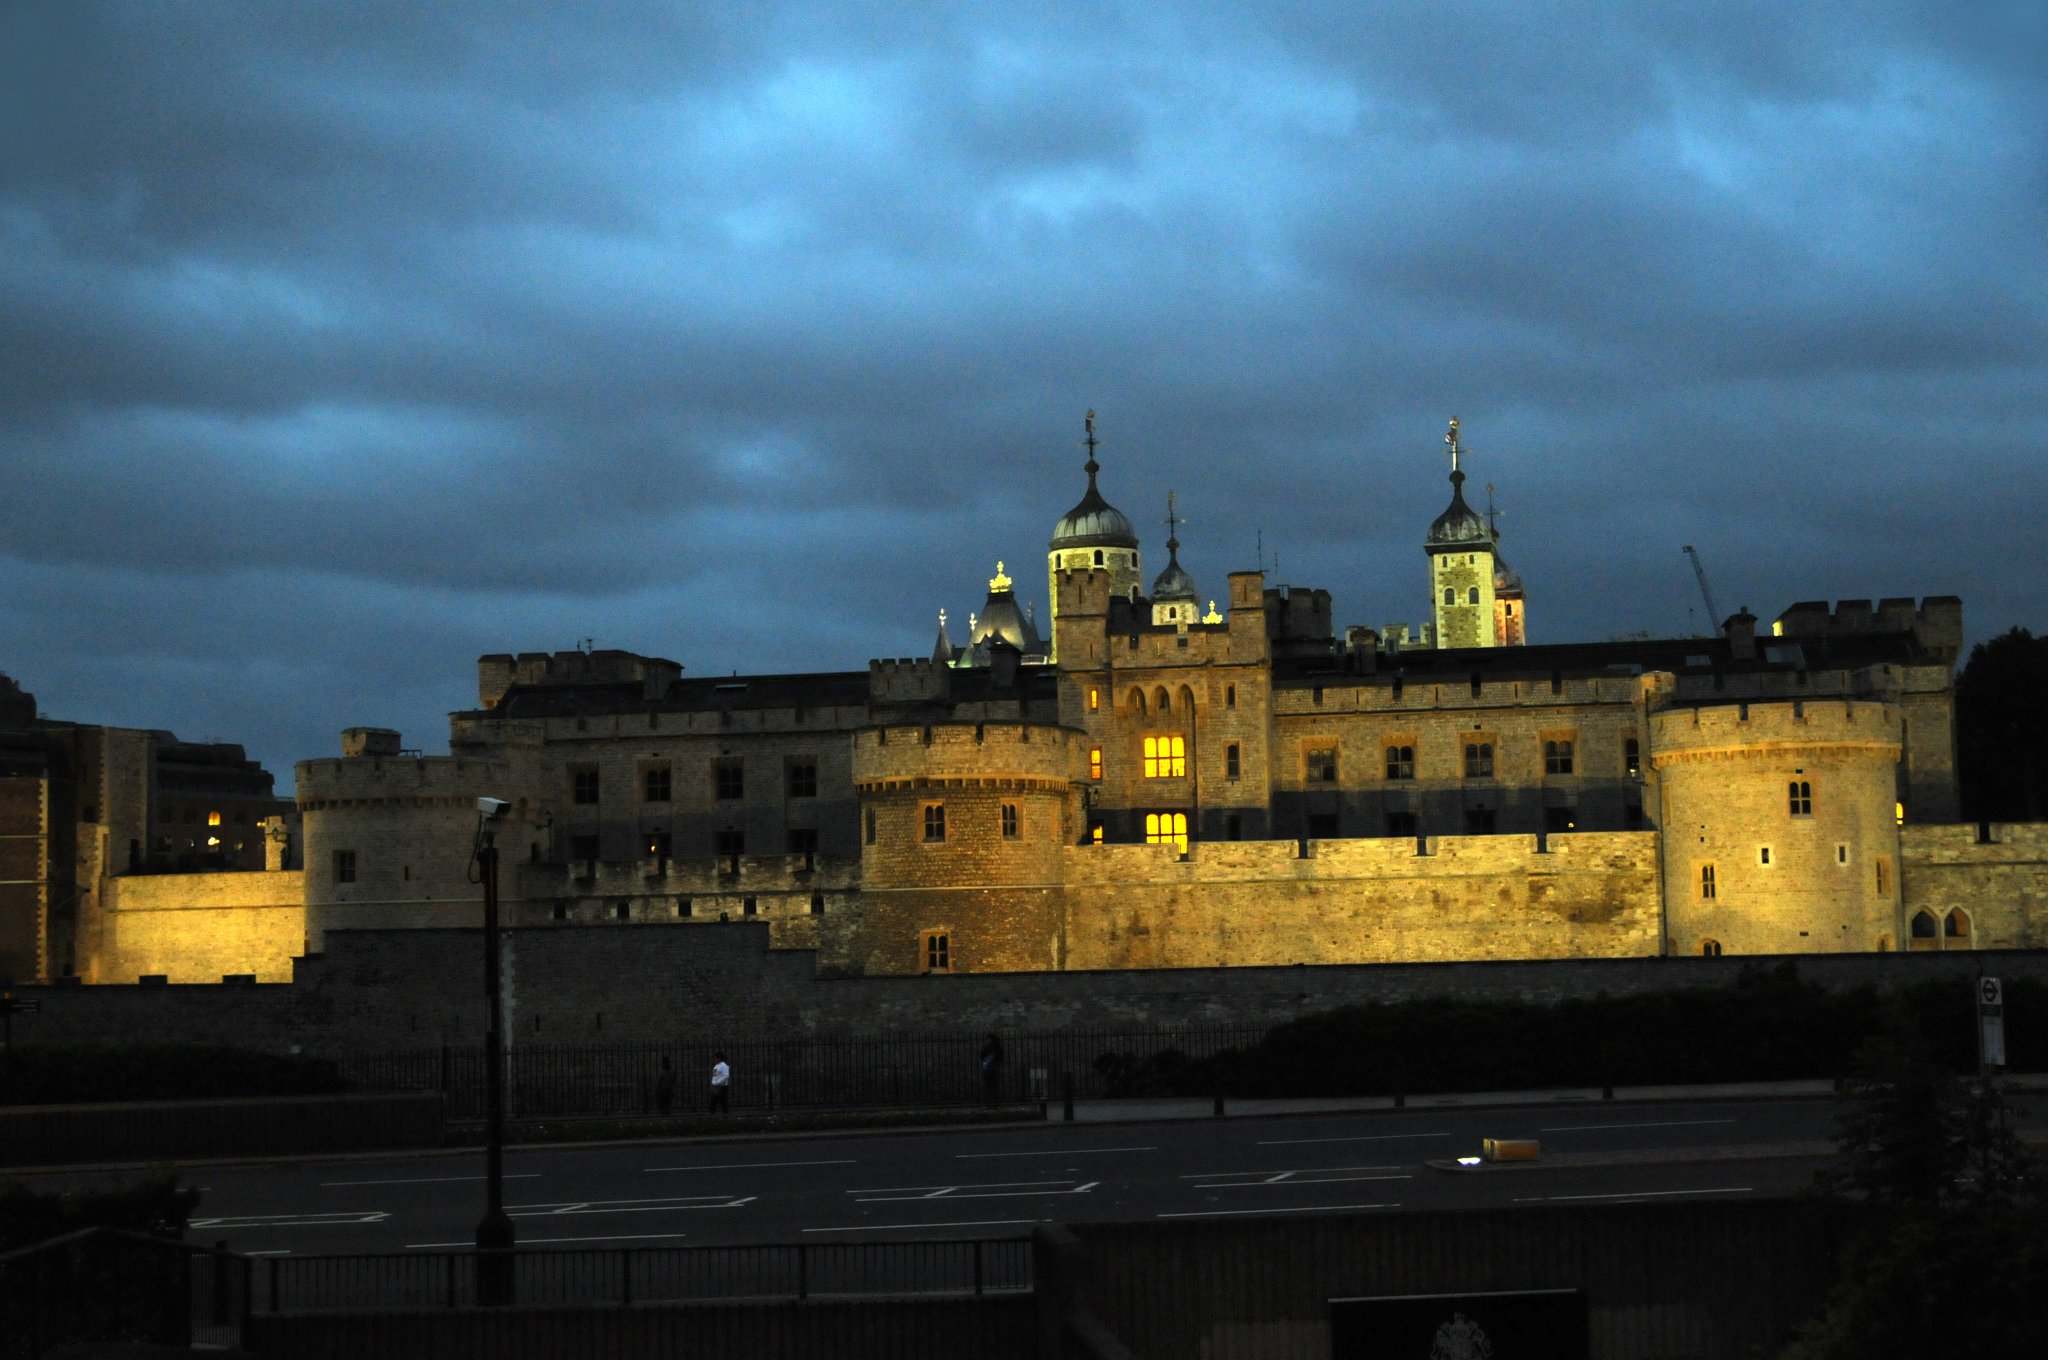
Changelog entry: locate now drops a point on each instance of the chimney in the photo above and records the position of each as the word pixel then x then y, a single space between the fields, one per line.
pixel 1740 630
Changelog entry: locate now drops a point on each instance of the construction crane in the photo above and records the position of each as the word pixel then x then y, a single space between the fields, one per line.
pixel 1714 615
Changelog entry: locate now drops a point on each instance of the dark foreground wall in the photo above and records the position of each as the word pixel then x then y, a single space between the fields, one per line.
pixel 32 1135
pixel 1699 1280
pixel 384 989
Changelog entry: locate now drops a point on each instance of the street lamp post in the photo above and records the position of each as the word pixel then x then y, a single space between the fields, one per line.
pixel 494 1232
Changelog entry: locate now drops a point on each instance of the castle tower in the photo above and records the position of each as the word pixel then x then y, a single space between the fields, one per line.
pixel 1461 566
pixel 1001 619
pixel 1174 597
pixel 1510 608
pixel 1094 536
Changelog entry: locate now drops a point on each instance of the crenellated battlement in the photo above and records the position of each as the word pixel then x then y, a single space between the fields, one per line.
pixel 409 779
pixel 909 680
pixel 1689 730
pixel 1935 622
pixel 498 672
pixel 1038 753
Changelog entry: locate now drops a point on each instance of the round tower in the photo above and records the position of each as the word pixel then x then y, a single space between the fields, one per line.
pixel 1780 833
pixel 1095 536
pixel 1461 566
pixel 388 837
pixel 963 827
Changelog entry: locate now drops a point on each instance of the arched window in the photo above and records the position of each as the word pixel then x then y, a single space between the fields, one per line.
pixel 1167 828
pixel 1138 702
pixel 1710 948
pixel 1098 557
pixel 1187 700
pixel 1799 794
pixel 1923 925
pixel 1955 925
pixel 1161 700
pixel 1472 597
pixel 1450 595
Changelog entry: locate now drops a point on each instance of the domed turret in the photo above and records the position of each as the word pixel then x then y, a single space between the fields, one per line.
pixel 1461 566
pixel 1093 536
pixel 1459 524
pixel 1174 597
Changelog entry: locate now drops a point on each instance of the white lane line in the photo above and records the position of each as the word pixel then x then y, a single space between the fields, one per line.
pixel 1305 1209
pixel 292 1220
pixel 530 1241
pixel 747 1166
pixel 281 1251
pixel 1361 1138
pixel 431 1180
pixel 1641 1194
pixel 921 1227
pixel 1285 1178
pixel 628 1206
pixel 1663 1124
pixel 1296 1171
pixel 1053 1152
pixel 994 1190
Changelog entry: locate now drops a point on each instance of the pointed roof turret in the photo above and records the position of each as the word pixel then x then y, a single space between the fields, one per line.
pixel 942 651
pixel 1094 523
pixel 1174 583
pixel 1458 524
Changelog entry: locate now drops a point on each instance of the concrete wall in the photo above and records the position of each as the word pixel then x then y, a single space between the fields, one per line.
pixel 1362 901
pixel 200 927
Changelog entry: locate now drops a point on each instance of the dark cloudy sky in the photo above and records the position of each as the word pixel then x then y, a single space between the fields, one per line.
pixel 342 343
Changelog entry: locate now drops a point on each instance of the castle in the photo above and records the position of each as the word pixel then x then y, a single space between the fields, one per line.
pixel 1152 783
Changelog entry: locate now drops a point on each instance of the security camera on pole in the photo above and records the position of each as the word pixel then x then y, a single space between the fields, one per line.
pixel 494 1233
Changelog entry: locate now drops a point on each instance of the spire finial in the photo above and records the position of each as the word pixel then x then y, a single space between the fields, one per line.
pixel 1492 515
pixel 1456 449
pixel 942 618
pixel 1089 422
pixel 1173 523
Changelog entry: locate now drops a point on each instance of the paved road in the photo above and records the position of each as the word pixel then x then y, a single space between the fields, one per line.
pixel 997 1182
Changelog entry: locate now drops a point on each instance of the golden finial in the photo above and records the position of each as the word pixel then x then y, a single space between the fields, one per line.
pixel 1212 616
pixel 999 581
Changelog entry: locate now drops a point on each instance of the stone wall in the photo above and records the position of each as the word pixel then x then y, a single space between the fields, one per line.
pixel 200 927
pixel 1999 883
pixel 378 990
pixel 1362 901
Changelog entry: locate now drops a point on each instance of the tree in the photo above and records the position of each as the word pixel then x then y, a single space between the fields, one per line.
pixel 2002 729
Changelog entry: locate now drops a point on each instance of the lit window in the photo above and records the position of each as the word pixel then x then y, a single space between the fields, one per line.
pixel 213 819
pixel 1167 828
pixel 658 845
pixel 1631 757
pixel 1094 700
pixel 1009 821
pixel 937 950
pixel 1479 760
pixel 1706 882
pixel 1095 834
pixel 1166 757
pixel 1799 794
pixel 1095 762
pixel 1400 762
pixel 1557 757
pixel 1899 811
pixel 935 821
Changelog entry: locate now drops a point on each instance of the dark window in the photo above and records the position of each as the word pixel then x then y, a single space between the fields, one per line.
pixel 623 910
pixel 1560 819
pixel 748 907
pixel 1400 823
pixel 1230 761
pixel 561 911
pixel 1479 760
pixel 682 906
pixel 1479 821
pixel 732 842
pixel 1472 595
pixel 344 866
pixel 1230 696
pixel 1706 882
pixel 728 780
pixel 1322 826
pixel 1557 757
pixel 937 954
pixel 1010 821
pixel 1450 595
pixel 1924 927
pixel 1631 757
pixel 1400 762
pixel 817 904
pixel 1956 926
pixel 1632 816
pixel 1710 949
pixel 803 777
pixel 1800 795
pixel 583 785
pixel 803 840
pixel 867 827
pixel 1233 827
pixel 935 821
pixel 657 783
pixel 1322 765
pixel 583 848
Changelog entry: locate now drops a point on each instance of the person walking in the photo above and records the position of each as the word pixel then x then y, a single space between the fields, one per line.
pixel 721 1084
pixel 992 1068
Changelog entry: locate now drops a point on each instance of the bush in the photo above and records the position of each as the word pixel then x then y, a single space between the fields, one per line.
pixel 65 1074
pixel 1765 1026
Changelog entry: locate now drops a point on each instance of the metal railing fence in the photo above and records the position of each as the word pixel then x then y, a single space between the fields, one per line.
pixel 626 1080
pixel 637 1275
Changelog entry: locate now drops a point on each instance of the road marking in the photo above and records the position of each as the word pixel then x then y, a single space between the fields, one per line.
pixel 293 1220
pixel 1641 1194
pixel 430 1180
pixel 627 1206
pixel 920 1227
pixel 1666 1124
pixel 1362 1138
pixel 991 1190
pixel 1305 1209
pixel 1055 1152
pixel 1227 1179
pixel 748 1166
pixel 1285 1178
pixel 281 1251
pixel 530 1241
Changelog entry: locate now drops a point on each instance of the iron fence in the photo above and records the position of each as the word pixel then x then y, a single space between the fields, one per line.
pixel 283 1285
pixel 100 1285
pixel 628 1080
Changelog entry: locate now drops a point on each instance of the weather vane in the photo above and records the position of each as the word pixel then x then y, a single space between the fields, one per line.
pixel 1452 440
pixel 1173 523
pixel 1089 421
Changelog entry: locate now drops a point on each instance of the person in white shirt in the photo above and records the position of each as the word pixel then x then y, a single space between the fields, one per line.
pixel 721 1084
